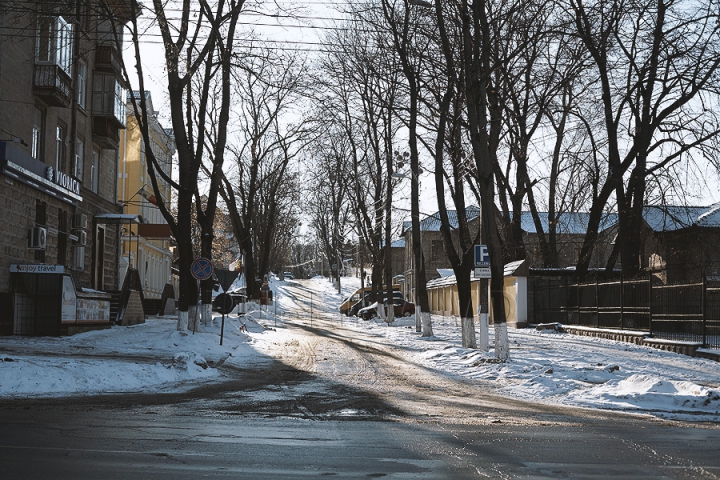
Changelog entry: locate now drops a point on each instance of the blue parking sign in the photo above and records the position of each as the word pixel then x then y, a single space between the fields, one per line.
pixel 482 257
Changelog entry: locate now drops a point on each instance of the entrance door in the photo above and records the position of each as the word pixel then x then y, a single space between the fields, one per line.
pixel 100 259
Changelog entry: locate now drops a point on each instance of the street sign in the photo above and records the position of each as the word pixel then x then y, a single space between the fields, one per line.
pixel 482 272
pixel 201 269
pixel 482 257
pixel 223 303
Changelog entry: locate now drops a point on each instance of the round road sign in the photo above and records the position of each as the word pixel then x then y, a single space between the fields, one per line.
pixel 223 303
pixel 201 269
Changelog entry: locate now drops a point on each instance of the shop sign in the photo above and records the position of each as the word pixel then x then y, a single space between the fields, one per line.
pixel 37 268
pixel 63 180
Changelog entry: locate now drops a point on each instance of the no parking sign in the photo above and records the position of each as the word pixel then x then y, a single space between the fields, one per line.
pixel 201 269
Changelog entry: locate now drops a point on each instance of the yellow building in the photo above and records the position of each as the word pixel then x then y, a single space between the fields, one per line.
pixel 145 247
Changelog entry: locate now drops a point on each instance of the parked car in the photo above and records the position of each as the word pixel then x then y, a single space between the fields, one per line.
pixel 401 308
pixel 288 276
pixel 357 306
pixel 356 297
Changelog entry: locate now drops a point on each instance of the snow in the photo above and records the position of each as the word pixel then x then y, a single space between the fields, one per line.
pixel 545 366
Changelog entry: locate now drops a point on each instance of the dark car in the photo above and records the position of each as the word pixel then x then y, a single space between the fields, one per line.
pixel 359 305
pixel 401 309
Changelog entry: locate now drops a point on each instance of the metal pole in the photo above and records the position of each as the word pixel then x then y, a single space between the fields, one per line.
pixel 650 295
pixel 222 328
pixel 622 303
pixel 704 306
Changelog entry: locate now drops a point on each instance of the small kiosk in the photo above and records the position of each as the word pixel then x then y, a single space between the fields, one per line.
pixel 46 302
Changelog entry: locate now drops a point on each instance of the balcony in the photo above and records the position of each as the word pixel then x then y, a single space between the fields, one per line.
pixel 108 108
pixel 107 59
pixel 105 133
pixel 52 85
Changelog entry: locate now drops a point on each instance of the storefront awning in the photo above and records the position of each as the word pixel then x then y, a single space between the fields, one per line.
pixel 118 218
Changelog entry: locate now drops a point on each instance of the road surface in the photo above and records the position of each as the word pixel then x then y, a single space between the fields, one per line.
pixel 327 401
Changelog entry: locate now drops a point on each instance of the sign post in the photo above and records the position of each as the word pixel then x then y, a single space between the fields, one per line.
pixel 482 270
pixel 201 269
pixel 224 304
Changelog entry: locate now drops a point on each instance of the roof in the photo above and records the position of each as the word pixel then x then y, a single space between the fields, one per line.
pixel 671 218
pixel 569 223
pixel 432 223
pixel 400 243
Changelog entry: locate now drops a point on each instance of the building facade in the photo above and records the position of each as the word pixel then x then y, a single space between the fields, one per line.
pixel 146 246
pixel 63 105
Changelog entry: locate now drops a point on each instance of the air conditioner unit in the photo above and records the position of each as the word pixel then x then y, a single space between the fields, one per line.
pixel 81 237
pixel 78 258
pixel 79 221
pixel 37 238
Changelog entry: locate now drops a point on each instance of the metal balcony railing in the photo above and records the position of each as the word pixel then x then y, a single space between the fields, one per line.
pixel 52 84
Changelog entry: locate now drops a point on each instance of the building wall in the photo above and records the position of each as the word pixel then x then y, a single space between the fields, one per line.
pixel 151 256
pixel 22 104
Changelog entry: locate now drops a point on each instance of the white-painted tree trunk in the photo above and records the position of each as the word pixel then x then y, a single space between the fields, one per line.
pixel 206 310
pixel 390 315
pixel 502 344
pixel 468 332
pixel 381 311
pixel 193 319
pixel 427 330
pixel 182 323
pixel 484 332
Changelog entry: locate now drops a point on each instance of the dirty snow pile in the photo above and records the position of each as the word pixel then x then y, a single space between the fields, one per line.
pixel 149 357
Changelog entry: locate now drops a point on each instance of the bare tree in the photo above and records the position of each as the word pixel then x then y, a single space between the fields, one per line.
pixel 657 66
pixel 259 189
pixel 484 131
pixel 198 47
pixel 361 84
pixel 331 210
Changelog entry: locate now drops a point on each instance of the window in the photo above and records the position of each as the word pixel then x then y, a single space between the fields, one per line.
pixel 94 170
pixel 54 42
pixel 37 134
pixel 59 147
pixel 108 96
pixel 78 161
pixel 82 83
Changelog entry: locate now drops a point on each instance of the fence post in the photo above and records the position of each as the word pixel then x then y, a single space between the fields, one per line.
pixel 650 295
pixel 577 299
pixel 622 302
pixel 597 301
pixel 567 300
pixel 703 300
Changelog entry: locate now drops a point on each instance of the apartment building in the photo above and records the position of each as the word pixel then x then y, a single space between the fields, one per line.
pixel 145 247
pixel 63 104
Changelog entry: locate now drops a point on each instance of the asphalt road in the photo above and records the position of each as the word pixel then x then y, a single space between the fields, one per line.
pixel 329 402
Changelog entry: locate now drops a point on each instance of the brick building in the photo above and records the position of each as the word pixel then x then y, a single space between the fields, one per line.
pixel 433 246
pixel 63 104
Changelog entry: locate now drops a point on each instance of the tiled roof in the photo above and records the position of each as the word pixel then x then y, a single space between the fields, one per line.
pixel 432 222
pixel 671 218
pixel 568 223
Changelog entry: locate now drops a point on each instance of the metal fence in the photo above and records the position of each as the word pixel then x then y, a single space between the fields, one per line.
pixel 683 312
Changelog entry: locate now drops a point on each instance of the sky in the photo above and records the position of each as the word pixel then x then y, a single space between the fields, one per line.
pixel 545 366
